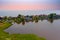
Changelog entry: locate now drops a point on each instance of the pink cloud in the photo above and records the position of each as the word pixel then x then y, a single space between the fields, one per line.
pixel 28 7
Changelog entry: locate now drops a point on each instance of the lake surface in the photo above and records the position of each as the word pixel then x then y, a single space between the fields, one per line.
pixel 51 31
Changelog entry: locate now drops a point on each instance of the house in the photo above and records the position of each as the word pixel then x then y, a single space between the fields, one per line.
pixel 28 18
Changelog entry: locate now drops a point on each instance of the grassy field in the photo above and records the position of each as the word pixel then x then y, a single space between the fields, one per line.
pixel 4 25
pixel 6 36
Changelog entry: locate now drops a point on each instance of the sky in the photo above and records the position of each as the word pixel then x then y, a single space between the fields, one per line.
pixel 29 4
pixel 27 12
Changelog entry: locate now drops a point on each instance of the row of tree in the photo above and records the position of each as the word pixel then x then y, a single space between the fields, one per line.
pixel 21 18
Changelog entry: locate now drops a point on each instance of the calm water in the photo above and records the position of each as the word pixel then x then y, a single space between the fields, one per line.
pixel 51 31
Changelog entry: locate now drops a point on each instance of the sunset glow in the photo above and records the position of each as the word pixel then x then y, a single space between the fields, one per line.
pixel 29 5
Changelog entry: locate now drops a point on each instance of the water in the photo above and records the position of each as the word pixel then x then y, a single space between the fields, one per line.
pixel 51 31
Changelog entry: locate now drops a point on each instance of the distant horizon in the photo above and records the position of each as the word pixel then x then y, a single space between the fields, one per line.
pixel 29 7
pixel 27 12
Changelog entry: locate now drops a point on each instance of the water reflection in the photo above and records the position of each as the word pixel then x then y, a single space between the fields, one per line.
pixel 36 21
pixel 51 20
pixel 41 28
pixel 23 23
pixel 22 19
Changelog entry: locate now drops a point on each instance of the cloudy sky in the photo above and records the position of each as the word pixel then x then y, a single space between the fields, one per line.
pixel 29 4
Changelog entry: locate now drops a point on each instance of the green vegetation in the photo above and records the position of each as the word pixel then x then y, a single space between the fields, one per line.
pixel 32 18
pixel 4 25
pixel 5 22
pixel 7 36
pixel 25 37
pixel 50 16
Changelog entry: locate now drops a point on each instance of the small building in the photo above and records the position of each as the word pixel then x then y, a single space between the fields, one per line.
pixel 28 18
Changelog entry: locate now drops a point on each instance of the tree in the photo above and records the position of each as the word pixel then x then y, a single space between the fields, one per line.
pixel 5 18
pixel 50 16
pixel 19 16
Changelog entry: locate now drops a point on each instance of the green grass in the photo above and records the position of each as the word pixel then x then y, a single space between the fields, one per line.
pixel 25 37
pixel 6 36
pixel 4 25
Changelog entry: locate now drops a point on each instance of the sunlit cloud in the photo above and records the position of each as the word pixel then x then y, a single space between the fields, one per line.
pixel 29 4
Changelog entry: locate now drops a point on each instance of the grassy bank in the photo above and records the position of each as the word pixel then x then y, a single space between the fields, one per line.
pixel 4 25
pixel 6 36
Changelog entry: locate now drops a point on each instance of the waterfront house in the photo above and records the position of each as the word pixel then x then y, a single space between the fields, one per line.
pixel 28 18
